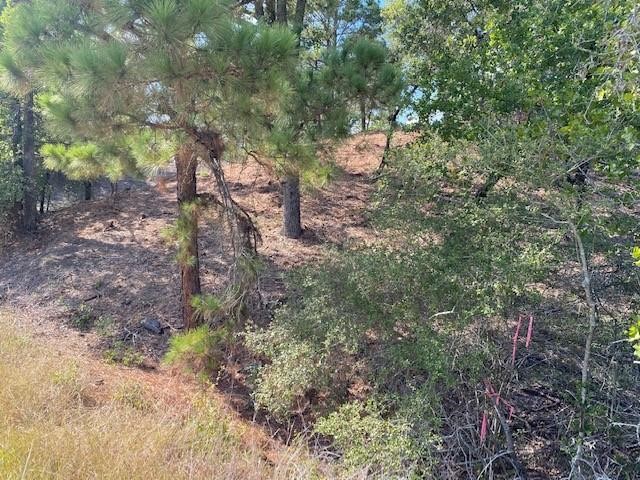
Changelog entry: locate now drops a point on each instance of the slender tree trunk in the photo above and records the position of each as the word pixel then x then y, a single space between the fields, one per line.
pixel 292 227
pixel 186 164
pixel 298 18
pixel 16 135
pixel 259 9
pixel 88 190
pixel 576 462
pixel 363 115
pixel 270 10
pixel 281 13
pixel 43 192
pixel 29 167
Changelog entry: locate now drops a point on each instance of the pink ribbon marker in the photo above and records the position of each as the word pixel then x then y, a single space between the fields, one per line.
pixel 529 331
pixel 483 427
pixel 515 340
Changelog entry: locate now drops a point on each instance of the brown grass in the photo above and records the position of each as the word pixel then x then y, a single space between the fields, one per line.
pixel 68 418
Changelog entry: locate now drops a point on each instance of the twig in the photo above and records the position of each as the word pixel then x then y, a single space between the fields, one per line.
pixel 511 449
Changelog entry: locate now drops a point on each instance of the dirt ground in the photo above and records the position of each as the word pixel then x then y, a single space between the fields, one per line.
pixel 108 254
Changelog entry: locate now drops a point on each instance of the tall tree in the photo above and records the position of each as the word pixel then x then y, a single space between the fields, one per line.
pixel 331 22
pixel 187 70
pixel 330 76
pixel 29 166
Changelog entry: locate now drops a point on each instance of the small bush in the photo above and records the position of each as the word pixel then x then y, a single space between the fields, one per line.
pixel 206 306
pixel 122 353
pixel 83 318
pixel 105 325
pixel 367 439
pixel 132 395
pixel 199 350
pixel 281 385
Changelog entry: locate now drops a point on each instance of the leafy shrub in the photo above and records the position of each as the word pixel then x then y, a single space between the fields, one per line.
pixel 125 354
pixel 283 383
pixel 365 438
pixel 83 317
pixel 10 179
pixel 198 350
pixel 401 321
pixel 105 325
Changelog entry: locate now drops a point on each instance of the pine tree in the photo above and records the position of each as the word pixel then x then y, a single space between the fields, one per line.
pixel 186 70
pixel 330 76
pixel 372 81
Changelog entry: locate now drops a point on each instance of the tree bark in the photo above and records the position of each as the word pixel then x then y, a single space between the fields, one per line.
pixel 87 190
pixel 270 10
pixel 281 13
pixel 363 115
pixel 186 164
pixel 43 192
pixel 259 9
pixel 298 18
pixel 292 227
pixel 29 167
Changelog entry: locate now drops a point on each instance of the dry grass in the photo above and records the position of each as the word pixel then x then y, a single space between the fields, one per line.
pixel 58 422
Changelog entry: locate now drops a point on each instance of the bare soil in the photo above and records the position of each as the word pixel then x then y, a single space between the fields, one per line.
pixel 109 255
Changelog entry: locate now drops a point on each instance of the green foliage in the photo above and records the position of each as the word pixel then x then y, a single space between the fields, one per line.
pixel 564 71
pixel 199 350
pixel 10 180
pixel 206 306
pixel 636 255
pixel 182 231
pixel 105 325
pixel 369 441
pixel 114 100
pixel 125 354
pixel 83 318
pixel 295 368
pixel 402 320
pixel 371 80
pixel 333 22
pixel 633 334
pixel 132 395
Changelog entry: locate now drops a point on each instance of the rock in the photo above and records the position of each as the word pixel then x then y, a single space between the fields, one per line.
pixel 153 325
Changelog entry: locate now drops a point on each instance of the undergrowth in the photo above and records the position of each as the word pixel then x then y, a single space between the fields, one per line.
pixel 390 347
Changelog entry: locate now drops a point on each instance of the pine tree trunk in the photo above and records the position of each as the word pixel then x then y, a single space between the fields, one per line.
pixel 298 18
pixel 16 135
pixel 363 115
pixel 259 9
pixel 87 191
pixel 43 192
pixel 292 227
pixel 281 11
pixel 29 167
pixel 186 164
pixel 270 10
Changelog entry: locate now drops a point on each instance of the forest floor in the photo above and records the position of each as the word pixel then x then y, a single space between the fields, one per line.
pixel 105 260
pixel 96 270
